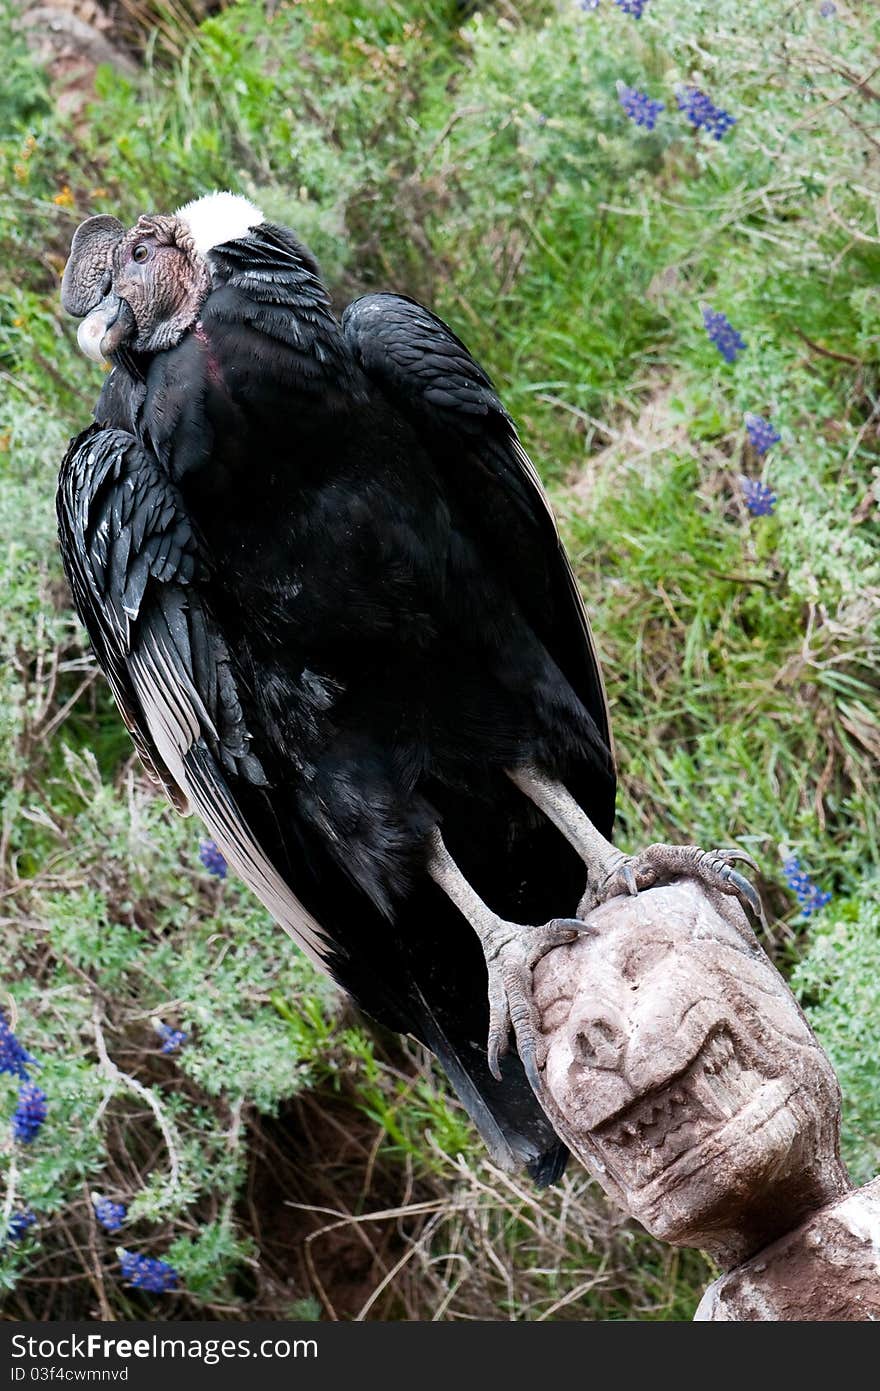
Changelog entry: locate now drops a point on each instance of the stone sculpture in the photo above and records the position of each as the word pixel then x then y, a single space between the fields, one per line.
pixel 678 1066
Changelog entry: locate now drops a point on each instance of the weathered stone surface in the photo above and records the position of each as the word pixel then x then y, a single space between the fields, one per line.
pixel 826 1270
pixel 683 1074
pixel 71 39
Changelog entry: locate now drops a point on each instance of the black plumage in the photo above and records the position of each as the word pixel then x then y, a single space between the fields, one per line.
pixel 325 586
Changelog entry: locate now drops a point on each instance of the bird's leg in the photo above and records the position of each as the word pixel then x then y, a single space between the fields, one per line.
pixel 512 951
pixel 610 872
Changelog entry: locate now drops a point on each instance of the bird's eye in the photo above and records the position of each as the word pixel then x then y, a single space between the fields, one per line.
pixel 140 253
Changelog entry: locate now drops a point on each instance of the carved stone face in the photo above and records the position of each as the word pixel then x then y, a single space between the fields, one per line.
pixel 695 1089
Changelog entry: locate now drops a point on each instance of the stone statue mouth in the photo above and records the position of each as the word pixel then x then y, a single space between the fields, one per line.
pixel 673 1131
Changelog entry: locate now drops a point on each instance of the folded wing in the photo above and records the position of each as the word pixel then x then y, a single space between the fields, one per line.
pixel 429 375
pixel 134 563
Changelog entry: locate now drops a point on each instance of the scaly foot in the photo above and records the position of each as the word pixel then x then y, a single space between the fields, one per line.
pixel 512 952
pixel 658 864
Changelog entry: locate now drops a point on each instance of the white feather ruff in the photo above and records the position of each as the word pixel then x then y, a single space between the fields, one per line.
pixel 219 218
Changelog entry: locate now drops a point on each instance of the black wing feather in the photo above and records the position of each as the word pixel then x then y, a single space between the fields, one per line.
pixel 133 563
pixel 427 372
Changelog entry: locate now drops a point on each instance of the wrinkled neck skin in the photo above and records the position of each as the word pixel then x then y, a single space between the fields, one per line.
pixel 265 344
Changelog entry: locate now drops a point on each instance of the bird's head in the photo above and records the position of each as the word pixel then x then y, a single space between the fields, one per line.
pixel 144 288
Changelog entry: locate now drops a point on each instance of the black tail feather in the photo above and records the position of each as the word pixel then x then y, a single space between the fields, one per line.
pixel 507 1114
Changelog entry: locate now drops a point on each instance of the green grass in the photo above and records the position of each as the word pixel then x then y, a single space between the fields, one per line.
pixel 487 167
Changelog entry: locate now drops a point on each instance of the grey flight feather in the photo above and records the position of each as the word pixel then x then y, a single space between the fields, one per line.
pixel 133 564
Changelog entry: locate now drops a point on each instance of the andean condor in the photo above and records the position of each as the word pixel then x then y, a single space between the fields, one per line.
pixel 324 583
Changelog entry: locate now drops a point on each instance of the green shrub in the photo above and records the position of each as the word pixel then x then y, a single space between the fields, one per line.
pixel 838 982
pixel 484 164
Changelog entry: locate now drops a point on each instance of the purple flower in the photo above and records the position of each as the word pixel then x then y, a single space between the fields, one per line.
pixel 827 9
pixel 762 434
pixel 636 8
pixel 722 333
pixel 721 123
pixel 110 1215
pixel 639 106
pixel 30 1112
pixel 19 1223
pixel 810 897
pixel 172 1039
pixel 759 499
pixel 13 1058
pixel 700 110
pixel 147 1272
pixel 211 857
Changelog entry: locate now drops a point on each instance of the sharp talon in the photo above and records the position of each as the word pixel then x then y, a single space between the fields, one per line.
pixel 736 854
pixel 575 927
pixel 529 1061
pixel 740 885
pixel 659 864
pixel 511 952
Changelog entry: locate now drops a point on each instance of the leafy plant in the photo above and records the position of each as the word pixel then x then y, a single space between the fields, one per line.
pixel 282 1157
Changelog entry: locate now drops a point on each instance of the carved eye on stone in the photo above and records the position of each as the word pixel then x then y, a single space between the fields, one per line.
pixel 599 1043
pixel 644 958
pixel 141 253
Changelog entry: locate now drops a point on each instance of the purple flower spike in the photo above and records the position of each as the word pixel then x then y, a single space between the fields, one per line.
pixel 110 1215
pixel 701 111
pixel 211 857
pixel 13 1058
pixel 759 499
pixel 810 897
pixel 636 8
pixel 30 1112
pixel 639 106
pixel 172 1039
pixel 762 433
pixel 722 333
pixel 19 1223
pixel 147 1272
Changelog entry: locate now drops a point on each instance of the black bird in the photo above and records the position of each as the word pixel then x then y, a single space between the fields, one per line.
pixel 325 586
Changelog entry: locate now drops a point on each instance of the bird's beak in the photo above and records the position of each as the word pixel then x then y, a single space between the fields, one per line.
pixel 106 328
